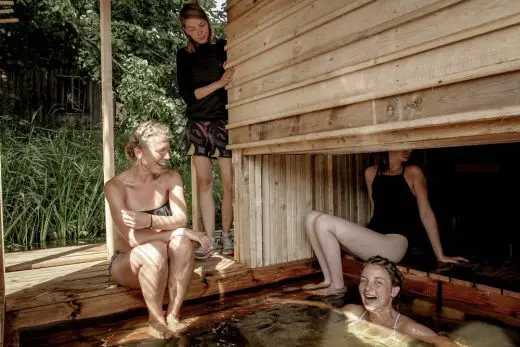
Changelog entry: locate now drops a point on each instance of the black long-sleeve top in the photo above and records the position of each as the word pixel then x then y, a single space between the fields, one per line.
pixel 199 69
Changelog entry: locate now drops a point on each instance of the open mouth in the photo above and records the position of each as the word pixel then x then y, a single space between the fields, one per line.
pixel 370 299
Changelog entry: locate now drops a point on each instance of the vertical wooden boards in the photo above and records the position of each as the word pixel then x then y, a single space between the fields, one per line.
pixel 107 111
pixel 274 194
pixel 266 215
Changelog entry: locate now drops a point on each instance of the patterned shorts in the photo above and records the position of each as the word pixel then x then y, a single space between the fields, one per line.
pixel 207 138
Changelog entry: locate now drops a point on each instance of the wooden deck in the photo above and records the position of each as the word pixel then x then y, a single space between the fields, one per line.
pixel 71 283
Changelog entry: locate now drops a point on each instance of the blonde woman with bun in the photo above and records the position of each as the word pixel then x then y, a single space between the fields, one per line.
pixel 154 250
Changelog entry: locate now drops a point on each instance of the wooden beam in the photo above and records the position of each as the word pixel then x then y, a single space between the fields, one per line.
pixel 107 107
pixel 6 3
pixel 9 11
pixel 2 258
pixel 464 134
pixel 8 20
pixel 355 134
pixel 495 92
pixel 501 53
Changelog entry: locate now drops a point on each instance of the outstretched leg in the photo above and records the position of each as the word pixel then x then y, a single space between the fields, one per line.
pixel 146 267
pixel 181 263
pixel 333 232
pixel 318 251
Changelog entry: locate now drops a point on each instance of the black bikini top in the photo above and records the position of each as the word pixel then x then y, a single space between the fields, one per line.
pixel 163 210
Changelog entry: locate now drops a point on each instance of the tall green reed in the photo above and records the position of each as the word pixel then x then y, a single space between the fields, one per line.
pixel 52 185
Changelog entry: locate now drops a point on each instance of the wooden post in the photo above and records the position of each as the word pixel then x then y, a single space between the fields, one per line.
pixel 2 264
pixel 196 215
pixel 107 107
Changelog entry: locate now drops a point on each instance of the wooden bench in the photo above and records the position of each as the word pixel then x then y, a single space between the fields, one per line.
pixel 70 283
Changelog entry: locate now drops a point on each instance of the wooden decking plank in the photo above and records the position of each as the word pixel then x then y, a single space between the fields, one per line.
pixel 17 257
pixel 63 289
pixel 65 305
pixel 19 261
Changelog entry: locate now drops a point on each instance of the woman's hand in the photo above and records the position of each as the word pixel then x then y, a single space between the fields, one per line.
pixel 453 260
pixel 199 237
pixel 136 220
pixel 227 77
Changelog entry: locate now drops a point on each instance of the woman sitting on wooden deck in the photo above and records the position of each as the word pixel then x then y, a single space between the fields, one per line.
pixel 153 248
pixel 401 212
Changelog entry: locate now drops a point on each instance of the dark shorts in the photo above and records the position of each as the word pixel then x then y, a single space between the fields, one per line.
pixel 207 138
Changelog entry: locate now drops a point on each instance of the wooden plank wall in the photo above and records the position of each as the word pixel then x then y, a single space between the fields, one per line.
pixel 344 70
pixel 274 193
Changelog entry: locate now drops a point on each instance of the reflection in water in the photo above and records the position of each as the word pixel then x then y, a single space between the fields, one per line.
pixel 294 325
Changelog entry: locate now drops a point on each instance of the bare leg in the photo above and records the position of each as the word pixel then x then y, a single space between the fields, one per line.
pixel 333 232
pixel 318 251
pixel 226 172
pixel 205 182
pixel 146 267
pixel 181 263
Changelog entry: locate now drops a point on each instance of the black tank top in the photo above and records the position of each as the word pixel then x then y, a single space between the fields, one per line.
pixel 395 207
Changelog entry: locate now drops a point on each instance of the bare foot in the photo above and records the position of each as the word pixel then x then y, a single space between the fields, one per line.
pixel 174 323
pixel 159 330
pixel 329 291
pixel 314 286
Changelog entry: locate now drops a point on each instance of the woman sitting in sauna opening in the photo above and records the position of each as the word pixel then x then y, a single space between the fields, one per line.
pixel 402 212
pixel 154 250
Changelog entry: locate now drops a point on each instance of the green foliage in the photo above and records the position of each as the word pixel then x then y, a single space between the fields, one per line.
pixel 52 182
pixel 53 178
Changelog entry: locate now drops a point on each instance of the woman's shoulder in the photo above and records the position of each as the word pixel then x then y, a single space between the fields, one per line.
pixel 352 311
pixel 116 183
pixel 171 177
pixel 410 327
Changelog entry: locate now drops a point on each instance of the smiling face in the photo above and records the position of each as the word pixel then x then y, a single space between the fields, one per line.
pixel 376 288
pixel 155 153
pixel 197 29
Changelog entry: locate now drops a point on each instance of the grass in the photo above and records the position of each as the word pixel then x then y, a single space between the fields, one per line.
pixel 53 185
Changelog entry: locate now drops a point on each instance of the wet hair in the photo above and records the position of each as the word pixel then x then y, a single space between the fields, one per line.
pixel 193 10
pixel 142 134
pixel 395 275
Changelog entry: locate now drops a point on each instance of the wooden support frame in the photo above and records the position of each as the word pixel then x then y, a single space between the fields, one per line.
pixel 107 112
pixel 9 11
pixel 2 260
pixel 6 3
pixel 8 20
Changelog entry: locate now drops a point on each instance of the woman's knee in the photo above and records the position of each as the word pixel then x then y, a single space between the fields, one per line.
pixel 205 180
pixel 310 220
pixel 181 246
pixel 154 255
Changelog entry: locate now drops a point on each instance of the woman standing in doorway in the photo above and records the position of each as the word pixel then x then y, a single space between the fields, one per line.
pixel 402 212
pixel 201 79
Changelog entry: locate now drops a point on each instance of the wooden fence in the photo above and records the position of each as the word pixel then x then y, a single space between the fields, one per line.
pixel 53 97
